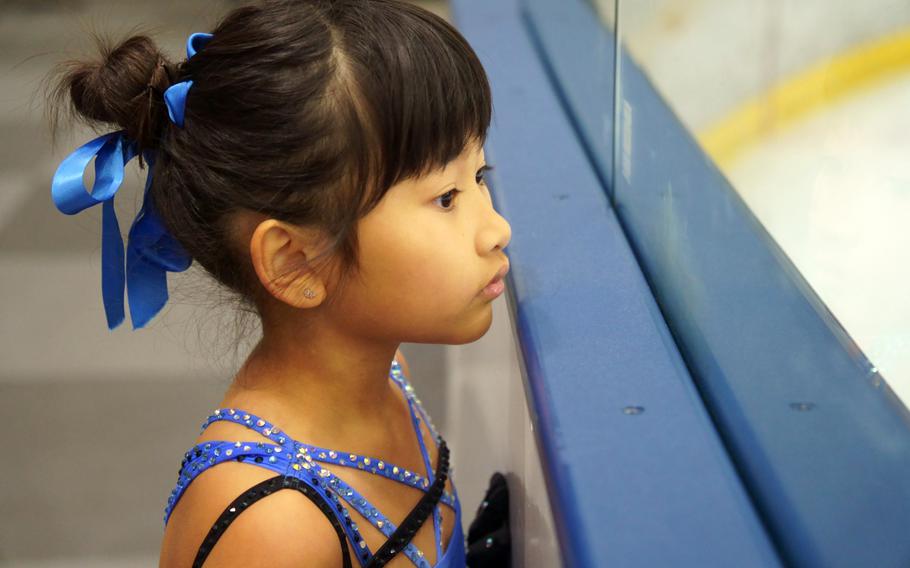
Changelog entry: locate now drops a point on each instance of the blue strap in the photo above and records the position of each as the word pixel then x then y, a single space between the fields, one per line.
pixel 402 382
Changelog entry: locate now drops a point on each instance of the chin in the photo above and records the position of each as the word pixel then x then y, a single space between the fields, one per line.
pixel 475 328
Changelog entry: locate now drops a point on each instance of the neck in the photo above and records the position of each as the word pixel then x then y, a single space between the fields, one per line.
pixel 321 384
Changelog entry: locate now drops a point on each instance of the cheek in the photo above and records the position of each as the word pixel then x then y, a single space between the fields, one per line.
pixel 415 269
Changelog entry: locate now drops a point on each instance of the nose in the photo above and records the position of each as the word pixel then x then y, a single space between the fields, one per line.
pixel 496 234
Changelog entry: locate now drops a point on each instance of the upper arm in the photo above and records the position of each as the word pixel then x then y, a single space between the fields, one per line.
pixel 283 529
pixel 404 364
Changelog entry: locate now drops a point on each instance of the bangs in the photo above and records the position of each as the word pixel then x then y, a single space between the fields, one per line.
pixel 423 93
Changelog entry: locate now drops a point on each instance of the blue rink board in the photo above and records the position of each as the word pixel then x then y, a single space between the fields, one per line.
pixel 820 440
pixel 650 489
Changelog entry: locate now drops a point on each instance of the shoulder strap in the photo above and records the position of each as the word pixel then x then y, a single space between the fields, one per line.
pixel 415 519
pixel 257 492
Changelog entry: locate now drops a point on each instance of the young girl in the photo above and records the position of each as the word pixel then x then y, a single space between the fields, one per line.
pixel 322 159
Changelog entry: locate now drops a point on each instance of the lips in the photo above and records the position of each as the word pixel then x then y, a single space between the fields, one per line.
pixel 499 274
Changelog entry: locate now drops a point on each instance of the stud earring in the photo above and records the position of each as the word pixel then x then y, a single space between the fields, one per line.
pixel 309 293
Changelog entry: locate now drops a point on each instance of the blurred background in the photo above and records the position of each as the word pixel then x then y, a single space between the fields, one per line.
pixel 802 104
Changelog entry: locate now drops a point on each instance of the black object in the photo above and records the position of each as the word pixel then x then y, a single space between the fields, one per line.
pixel 395 543
pixel 256 493
pixel 412 523
pixel 489 537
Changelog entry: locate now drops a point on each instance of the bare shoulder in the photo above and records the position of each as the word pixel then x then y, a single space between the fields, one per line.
pixel 399 356
pixel 282 529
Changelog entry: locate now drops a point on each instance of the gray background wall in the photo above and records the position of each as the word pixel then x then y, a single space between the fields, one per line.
pixel 95 423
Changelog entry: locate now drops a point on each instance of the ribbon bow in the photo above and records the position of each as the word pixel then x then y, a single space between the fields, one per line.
pixel 175 95
pixel 151 250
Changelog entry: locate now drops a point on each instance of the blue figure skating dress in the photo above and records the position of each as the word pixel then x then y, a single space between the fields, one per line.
pixel 298 466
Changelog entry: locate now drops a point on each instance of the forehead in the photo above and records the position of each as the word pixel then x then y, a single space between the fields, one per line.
pixel 473 149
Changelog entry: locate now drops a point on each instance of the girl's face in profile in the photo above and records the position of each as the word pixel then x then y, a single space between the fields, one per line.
pixel 427 250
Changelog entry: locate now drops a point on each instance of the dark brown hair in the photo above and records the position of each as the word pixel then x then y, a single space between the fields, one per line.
pixel 306 111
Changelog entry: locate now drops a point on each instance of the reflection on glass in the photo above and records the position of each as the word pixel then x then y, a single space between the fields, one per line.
pixel 803 105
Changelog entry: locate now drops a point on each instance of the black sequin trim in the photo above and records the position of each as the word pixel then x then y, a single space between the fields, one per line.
pixel 415 519
pixel 257 492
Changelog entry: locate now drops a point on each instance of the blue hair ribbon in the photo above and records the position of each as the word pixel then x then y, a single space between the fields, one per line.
pixel 151 251
pixel 175 95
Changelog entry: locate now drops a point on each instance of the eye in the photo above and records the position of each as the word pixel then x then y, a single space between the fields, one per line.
pixel 445 196
pixel 480 174
pixel 450 195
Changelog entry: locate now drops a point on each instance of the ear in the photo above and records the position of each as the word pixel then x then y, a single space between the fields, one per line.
pixel 280 253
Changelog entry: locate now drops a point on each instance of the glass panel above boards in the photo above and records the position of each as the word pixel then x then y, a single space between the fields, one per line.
pixel 803 107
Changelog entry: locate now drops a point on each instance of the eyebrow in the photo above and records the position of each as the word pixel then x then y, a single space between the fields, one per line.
pixel 483 167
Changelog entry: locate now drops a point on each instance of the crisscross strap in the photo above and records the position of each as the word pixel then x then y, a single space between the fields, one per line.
pixel 395 543
pixel 409 392
pixel 257 492
pixel 375 466
pixel 294 458
pixel 414 403
pixel 344 459
pixel 279 459
pixel 415 519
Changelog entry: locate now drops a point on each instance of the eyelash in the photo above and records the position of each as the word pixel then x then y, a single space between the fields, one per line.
pixel 454 192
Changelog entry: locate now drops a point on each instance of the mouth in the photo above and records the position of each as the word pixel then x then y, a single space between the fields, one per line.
pixel 500 274
pixel 495 286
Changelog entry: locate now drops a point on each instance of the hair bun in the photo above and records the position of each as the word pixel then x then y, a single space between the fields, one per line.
pixel 125 87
